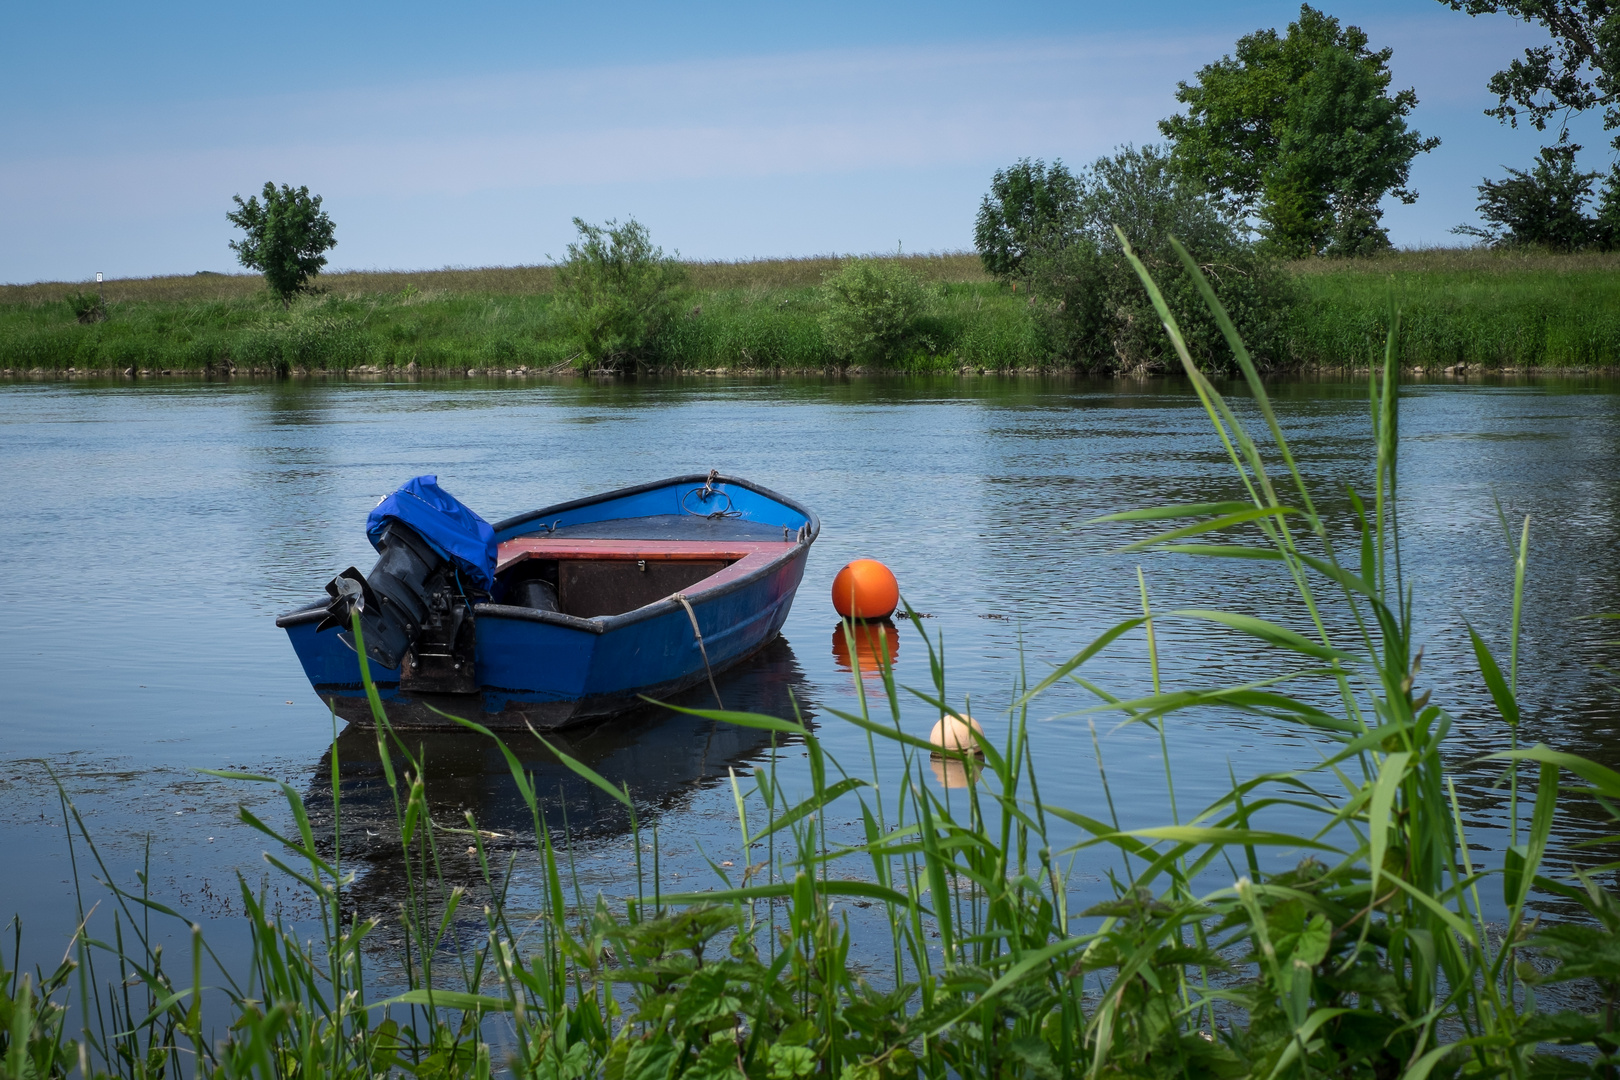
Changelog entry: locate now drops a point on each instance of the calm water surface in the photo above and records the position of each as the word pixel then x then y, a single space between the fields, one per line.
pixel 150 535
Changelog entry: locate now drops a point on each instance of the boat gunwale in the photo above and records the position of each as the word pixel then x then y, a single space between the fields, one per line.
pixel 601 624
pixel 636 489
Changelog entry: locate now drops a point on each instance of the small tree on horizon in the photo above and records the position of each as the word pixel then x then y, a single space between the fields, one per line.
pixel 1031 206
pixel 287 236
pixel 1543 207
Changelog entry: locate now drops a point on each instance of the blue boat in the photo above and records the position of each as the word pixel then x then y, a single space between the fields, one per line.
pixel 561 615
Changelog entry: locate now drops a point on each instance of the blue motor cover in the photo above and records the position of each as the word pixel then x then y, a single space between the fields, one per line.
pixel 435 515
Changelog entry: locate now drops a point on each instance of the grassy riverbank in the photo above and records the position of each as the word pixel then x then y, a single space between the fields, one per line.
pixel 1481 308
pixel 1327 922
pixel 1478 308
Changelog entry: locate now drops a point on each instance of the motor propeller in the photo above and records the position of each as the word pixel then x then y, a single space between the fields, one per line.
pixel 350 593
pixel 393 601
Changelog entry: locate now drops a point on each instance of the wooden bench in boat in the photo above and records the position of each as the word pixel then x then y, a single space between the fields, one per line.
pixel 610 576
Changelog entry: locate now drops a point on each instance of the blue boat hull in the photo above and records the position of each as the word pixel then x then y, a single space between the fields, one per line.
pixel 550 669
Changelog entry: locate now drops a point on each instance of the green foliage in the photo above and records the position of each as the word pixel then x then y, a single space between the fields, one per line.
pixel 33 1020
pixel 1606 222
pixel 1088 298
pixel 874 308
pixel 1484 308
pixel 1545 207
pixel 1516 307
pixel 287 237
pixel 1301 131
pixel 617 291
pixel 1028 209
pixel 87 307
pixel 1576 70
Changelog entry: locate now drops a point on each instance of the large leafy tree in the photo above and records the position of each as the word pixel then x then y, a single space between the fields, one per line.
pixel 1576 70
pixel 1301 132
pixel 287 237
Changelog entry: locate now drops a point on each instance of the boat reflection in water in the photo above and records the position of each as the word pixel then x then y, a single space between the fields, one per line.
pixel 664 756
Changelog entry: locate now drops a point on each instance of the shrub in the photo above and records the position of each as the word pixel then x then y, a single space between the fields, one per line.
pixel 1090 302
pixel 617 290
pixel 1545 207
pixel 316 342
pixel 86 307
pixel 873 310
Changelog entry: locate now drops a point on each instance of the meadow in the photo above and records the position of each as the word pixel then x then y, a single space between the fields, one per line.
pixel 1480 309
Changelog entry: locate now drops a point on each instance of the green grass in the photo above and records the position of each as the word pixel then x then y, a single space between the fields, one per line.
pixel 759 315
pixel 1374 956
pixel 1478 308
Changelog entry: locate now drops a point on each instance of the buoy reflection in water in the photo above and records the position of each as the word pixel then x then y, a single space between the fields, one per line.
pixel 873 641
pixel 953 773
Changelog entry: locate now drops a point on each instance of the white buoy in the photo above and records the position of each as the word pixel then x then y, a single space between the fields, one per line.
pixel 958 733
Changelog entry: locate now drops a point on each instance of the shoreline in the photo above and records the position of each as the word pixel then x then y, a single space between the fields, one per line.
pixel 1493 312
pixel 1454 373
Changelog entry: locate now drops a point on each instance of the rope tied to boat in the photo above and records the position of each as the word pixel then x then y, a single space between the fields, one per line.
pixel 702 649
pixel 707 492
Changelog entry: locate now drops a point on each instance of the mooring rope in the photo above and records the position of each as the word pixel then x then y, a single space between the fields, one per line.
pixel 687 604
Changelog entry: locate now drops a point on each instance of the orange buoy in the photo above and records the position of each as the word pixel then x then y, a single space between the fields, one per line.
pixel 865 589
pixel 959 733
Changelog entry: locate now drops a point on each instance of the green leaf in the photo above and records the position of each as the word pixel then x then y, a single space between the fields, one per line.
pixel 1269 632
pixel 1500 692
pixel 1195 834
pixel 447 999
pixel 1160 513
pixel 1226 521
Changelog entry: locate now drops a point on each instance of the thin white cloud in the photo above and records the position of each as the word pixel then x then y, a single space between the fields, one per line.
pixel 808 113
pixel 740 156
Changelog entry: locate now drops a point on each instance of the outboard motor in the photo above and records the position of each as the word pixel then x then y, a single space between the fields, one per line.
pixel 415 606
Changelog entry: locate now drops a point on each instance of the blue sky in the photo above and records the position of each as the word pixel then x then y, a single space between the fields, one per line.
pixel 470 135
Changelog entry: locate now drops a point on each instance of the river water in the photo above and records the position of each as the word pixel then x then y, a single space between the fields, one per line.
pixel 150 535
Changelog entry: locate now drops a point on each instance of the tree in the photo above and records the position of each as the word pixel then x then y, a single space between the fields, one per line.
pixel 617 291
pixel 1301 132
pixel 1089 300
pixel 1545 207
pixel 287 235
pixel 1578 70
pixel 1028 204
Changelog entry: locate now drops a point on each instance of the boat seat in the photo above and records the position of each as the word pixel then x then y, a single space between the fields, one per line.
pixel 609 576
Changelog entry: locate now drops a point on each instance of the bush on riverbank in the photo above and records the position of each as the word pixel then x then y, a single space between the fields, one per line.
pixel 1477 307
pixel 1088 300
